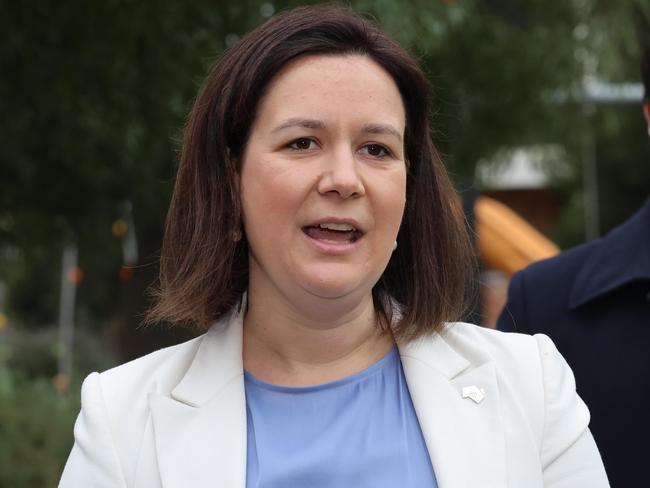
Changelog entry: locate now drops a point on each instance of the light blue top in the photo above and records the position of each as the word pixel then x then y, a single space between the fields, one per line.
pixel 359 431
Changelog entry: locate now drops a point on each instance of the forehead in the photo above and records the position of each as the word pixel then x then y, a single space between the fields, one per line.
pixel 332 86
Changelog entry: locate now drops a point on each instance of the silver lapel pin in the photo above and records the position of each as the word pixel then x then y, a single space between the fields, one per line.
pixel 474 392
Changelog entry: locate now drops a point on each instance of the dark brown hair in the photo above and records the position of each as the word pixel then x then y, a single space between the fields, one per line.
pixel 204 270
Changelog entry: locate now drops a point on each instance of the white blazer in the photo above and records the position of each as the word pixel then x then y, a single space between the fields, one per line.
pixel 176 418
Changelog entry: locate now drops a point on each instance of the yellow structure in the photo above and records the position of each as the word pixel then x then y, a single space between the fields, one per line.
pixel 506 242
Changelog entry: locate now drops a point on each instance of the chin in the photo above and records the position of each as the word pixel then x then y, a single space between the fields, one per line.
pixel 335 286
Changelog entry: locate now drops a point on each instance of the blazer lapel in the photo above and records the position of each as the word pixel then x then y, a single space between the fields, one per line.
pixel 465 439
pixel 200 430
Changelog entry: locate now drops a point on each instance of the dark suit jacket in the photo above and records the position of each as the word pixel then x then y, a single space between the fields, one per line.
pixel 594 302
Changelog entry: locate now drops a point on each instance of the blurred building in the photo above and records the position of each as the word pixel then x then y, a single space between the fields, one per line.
pixel 514 216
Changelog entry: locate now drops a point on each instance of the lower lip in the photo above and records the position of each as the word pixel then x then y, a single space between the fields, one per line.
pixel 333 247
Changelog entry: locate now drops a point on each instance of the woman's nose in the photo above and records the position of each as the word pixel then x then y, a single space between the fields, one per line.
pixel 341 176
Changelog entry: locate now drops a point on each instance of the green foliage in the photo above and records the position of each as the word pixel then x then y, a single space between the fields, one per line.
pixel 491 64
pixel 621 168
pixel 95 94
pixel 34 353
pixel 35 431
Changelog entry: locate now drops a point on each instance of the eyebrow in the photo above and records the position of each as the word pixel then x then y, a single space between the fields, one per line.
pixel 300 122
pixel 320 125
pixel 382 129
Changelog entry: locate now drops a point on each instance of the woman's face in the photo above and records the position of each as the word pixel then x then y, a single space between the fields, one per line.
pixel 323 179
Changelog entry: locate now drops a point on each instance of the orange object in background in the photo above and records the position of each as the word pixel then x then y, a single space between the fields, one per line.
pixel 75 275
pixel 61 383
pixel 125 274
pixel 506 242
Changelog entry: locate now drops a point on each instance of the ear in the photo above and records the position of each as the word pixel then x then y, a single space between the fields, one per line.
pixel 646 113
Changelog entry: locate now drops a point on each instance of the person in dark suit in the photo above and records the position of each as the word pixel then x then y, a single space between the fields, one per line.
pixel 594 303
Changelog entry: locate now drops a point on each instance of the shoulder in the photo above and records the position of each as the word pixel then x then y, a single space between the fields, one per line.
pixel 538 294
pixel 532 374
pixel 517 359
pixel 489 341
pixel 122 393
pixel 115 412
pixel 530 396
pixel 530 364
pixel 158 371
pixel 506 350
pixel 567 263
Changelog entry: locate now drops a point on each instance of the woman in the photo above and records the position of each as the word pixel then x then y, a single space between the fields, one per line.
pixel 314 226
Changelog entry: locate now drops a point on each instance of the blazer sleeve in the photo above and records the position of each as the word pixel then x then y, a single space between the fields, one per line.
pixel 568 452
pixel 93 461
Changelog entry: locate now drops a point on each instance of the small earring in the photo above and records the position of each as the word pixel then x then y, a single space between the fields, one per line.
pixel 394 245
pixel 236 236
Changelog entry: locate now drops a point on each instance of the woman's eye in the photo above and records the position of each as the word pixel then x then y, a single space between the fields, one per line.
pixel 376 150
pixel 302 144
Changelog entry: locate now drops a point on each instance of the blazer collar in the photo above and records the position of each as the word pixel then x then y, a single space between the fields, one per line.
pixel 200 429
pixel 465 439
pixel 615 260
pixel 217 362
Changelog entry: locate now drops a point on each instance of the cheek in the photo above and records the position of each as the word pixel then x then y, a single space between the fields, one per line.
pixel 391 201
pixel 270 198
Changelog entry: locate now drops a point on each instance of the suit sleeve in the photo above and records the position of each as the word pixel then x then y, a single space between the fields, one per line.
pixel 568 452
pixel 93 461
pixel 513 315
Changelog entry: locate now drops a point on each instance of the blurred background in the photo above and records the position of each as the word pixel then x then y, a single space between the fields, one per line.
pixel 538 115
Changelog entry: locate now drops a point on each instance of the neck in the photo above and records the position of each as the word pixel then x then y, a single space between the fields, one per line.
pixel 294 345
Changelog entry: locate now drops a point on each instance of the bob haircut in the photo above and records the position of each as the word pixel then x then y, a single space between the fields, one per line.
pixel 204 265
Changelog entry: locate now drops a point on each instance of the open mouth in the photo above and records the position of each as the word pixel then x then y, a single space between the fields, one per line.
pixel 333 233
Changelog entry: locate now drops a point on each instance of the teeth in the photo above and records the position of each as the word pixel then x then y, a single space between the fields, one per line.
pixel 339 227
